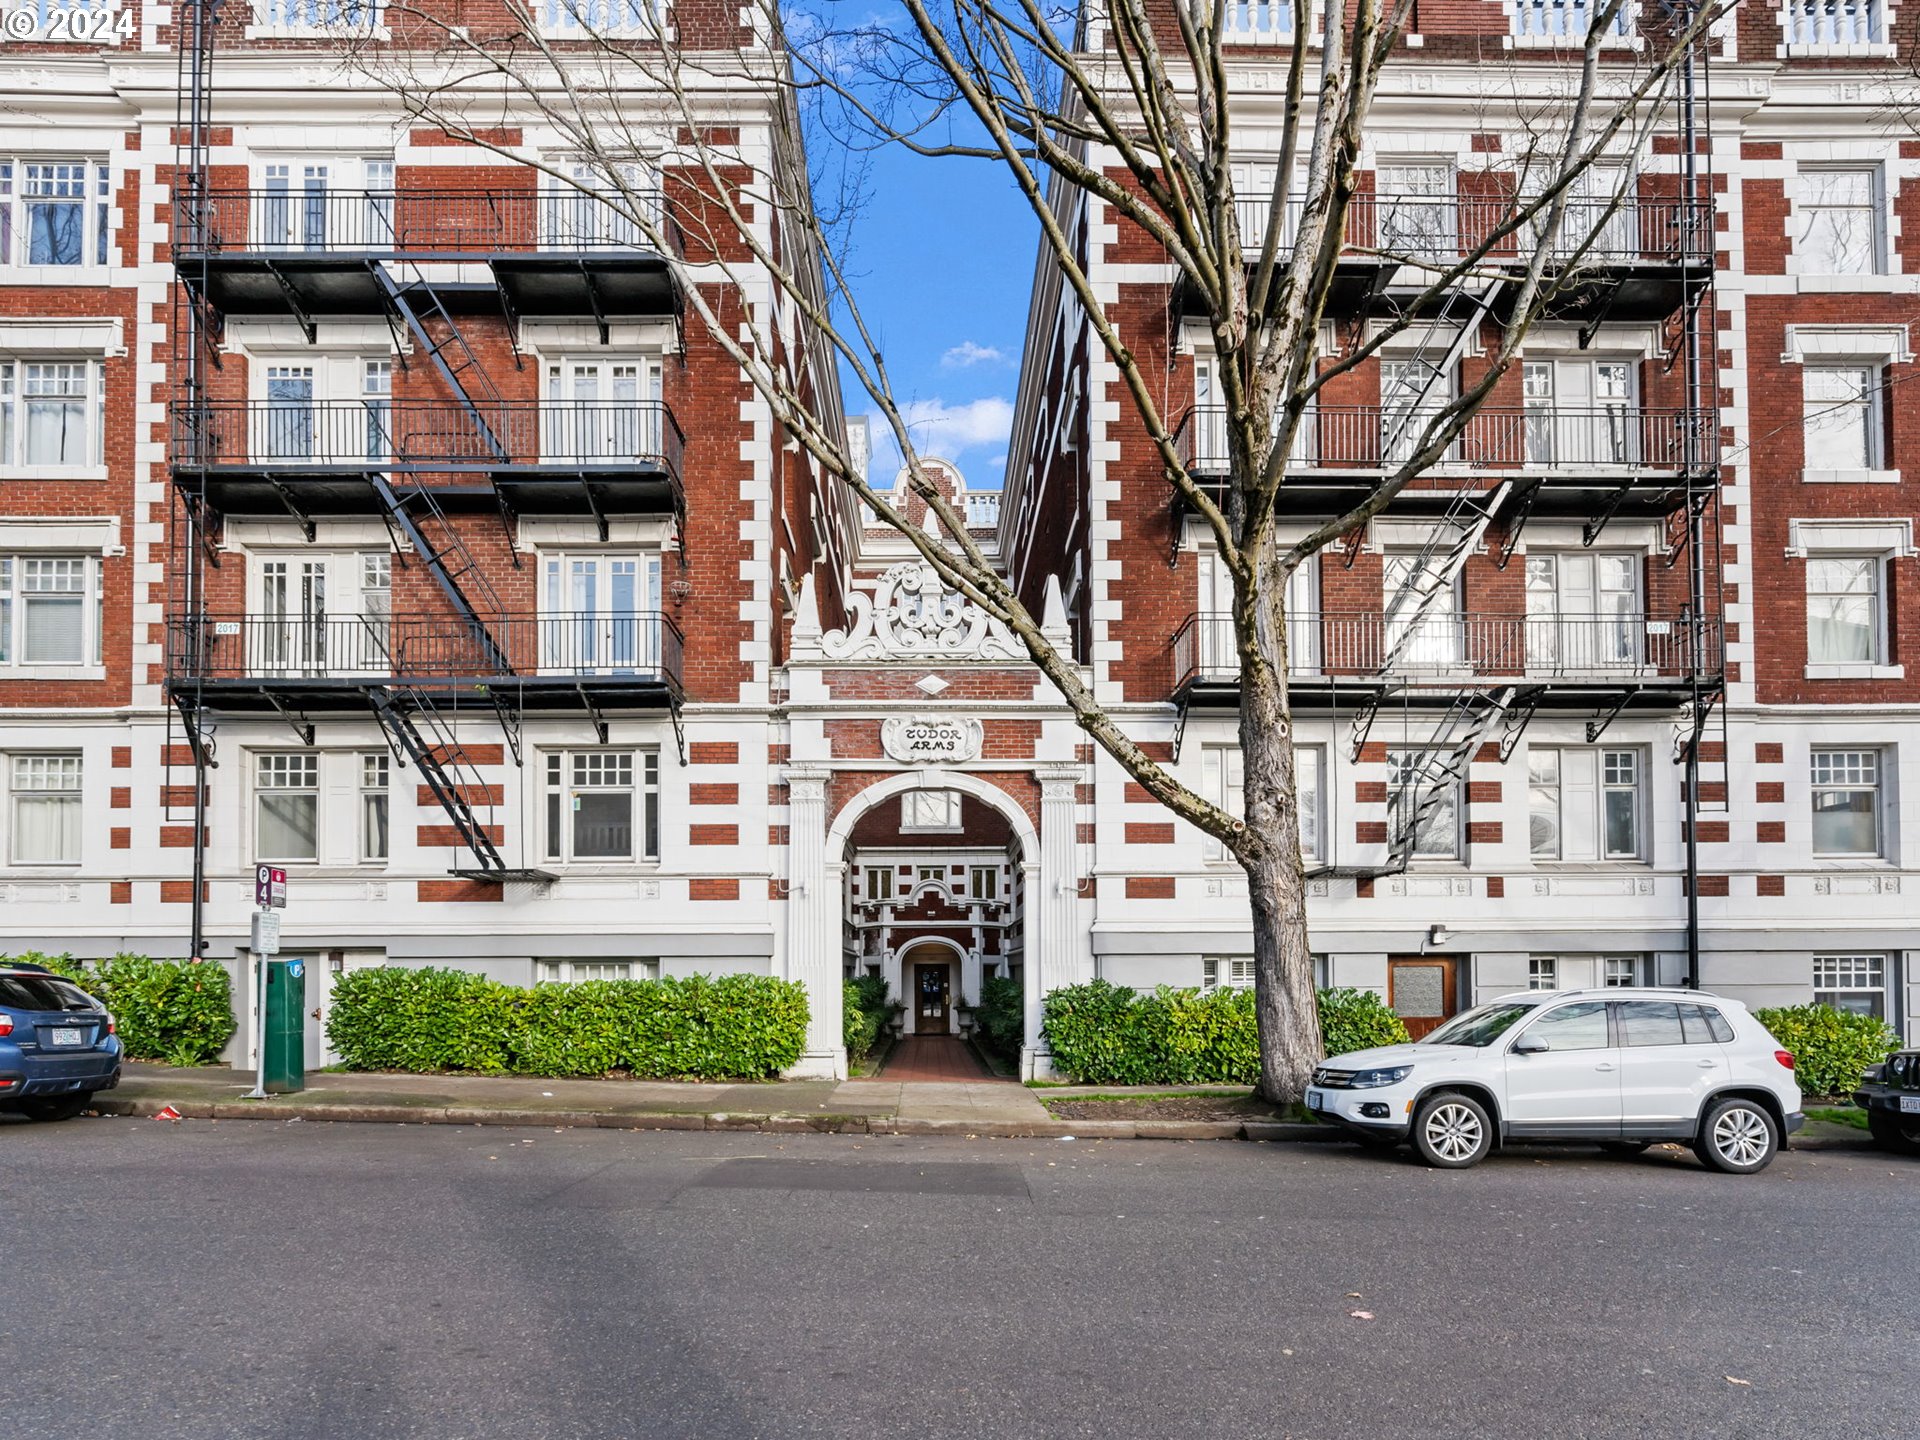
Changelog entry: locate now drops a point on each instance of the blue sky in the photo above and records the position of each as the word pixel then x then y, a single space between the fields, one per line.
pixel 942 265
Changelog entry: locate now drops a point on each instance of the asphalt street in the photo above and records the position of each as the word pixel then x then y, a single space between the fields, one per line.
pixel 214 1279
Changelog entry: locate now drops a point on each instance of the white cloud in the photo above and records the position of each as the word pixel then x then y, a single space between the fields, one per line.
pixel 949 432
pixel 966 354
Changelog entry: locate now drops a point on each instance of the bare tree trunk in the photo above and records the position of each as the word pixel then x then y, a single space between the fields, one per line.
pixel 1289 1016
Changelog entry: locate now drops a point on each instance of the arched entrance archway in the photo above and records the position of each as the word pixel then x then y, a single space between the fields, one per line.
pixel 932 1010
pixel 817 879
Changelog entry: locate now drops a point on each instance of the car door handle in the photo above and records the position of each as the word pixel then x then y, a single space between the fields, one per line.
pixel 1708 1064
pixel 1607 1065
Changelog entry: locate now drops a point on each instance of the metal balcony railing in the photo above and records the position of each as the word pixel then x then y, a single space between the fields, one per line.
pixel 642 645
pixel 1835 22
pixel 1622 648
pixel 384 434
pixel 1639 231
pixel 422 223
pixel 1533 438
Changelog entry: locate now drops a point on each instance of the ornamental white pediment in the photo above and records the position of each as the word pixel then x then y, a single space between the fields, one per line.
pixel 910 614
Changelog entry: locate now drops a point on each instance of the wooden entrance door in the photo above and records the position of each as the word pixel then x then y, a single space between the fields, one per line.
pixel 1421 989
pixel 930 1010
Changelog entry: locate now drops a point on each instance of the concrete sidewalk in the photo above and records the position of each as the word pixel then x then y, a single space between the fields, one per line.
pixel 988 1109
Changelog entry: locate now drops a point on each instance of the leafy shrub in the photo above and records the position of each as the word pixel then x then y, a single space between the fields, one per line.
pixel 1358 1020
pixel 733 1026
pixel 859 1027
pixel 1105 1034
pixel 1002 1016
pixel 1831 1048
pixel 178 1011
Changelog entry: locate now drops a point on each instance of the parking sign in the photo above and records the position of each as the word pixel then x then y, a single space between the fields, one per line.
pixel 270 887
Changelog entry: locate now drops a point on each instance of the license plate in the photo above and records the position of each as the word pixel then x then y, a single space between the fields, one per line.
pixel 66 1037
pixel 1316 1099
pixel 1910 1104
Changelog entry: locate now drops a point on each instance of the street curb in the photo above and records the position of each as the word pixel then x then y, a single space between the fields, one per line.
pixel 824 1123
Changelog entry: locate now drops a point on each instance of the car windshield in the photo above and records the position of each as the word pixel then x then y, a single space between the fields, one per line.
pixel 1481 1027
pixel 41 992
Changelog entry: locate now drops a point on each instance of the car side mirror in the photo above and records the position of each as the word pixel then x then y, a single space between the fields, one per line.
pixel 1529 1045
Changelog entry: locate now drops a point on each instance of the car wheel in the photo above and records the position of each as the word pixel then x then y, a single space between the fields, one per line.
pixel 1890 1132
pixel 1737 1137
pixel 1452 1131
pixel 1625 1147
pixel 63 1108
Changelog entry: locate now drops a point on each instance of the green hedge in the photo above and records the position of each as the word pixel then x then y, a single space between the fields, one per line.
pixel 178 1011
pixel 1002 1016
pixel 1831 1048
pixel 864 1013
pixel 732 1027
pixel 1104 1034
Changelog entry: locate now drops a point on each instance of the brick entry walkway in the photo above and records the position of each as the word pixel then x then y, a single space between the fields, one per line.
pixel 935 1058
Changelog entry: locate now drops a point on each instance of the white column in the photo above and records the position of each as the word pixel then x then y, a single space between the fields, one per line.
pixel 814 890
pixel 1053 944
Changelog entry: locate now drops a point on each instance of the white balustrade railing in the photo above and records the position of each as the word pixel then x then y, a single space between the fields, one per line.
pixel 1834 22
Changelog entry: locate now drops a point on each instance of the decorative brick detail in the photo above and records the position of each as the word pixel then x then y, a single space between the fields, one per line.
pixel 177 797
pixel 180 892
pixel 713 887
pixel 1136 794
pixel 1768 753
pixel 1770 884
pixel 1710 885
pixel 777 834
pixel 1371 832
pixel 1150 887
pixel 1770 792
pixel 1153 834
pixel 120 797
pixel 1771 832
pixel 713 834
pixel 177 837
pixel 122 757
pixel 1483 832
pixel 1371 792
pixel 713 794
pixel 1496 887
pixel 1363 889
pixel 120 892
pixel 1712 832
pixel 121 838
pixel 1085 832
pixel 1481 792
pixel 447 835
pixel 474 795
pixel 436 892
pixel 713 752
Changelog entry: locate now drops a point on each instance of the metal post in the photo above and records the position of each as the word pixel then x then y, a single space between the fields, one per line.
pixel 259 1091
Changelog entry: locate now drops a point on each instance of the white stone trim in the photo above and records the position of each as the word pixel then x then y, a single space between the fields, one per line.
pixel 1890 344
pixel 1891 537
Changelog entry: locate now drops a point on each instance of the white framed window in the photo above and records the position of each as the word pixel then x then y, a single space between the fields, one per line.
pixel 603 408
pixel 1415 203
pixel 1841 417
pixel 878 884
pixel 1620 971
pixel 1436 640
pixel 1580 412
pixel 603 805
pixel 1837 221
pixel 1586 804
pixel 1438 836
pixel 600 614
pixel 52 414
pixel 320 613
pixel 1584 610
pixel 286 805
pixel 1845 618
pixel 49 610
pixel 47 809
pixel 1226 972
pixel 54 212
pixel 1846 802
pixel 930 810
pixel 376 806
pixel 1412 393
pixel 1543 972
pixel 574 972
pixel 1223 781
pixel 324 202
pixel 1856 984
pixel 597 204
pixel 984 883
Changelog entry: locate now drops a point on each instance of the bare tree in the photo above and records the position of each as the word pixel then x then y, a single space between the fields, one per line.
pixel 1127 106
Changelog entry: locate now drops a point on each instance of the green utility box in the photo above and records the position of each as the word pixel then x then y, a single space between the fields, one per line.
pixel 286 1029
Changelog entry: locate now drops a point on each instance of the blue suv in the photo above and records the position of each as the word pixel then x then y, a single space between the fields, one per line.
pixel 57 1045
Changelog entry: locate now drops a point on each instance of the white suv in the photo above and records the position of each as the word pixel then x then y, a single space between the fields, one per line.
pixel 1620 1067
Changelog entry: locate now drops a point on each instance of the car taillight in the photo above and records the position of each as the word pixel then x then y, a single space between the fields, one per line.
pixel 6 1025
pixel 1785 1057
pixel 112 1029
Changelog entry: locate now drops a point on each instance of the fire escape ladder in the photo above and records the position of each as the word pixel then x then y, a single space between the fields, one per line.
pixel 416 301
pixel 1437 566
pixel 1443 764
pixel 421 734
pixel 432 535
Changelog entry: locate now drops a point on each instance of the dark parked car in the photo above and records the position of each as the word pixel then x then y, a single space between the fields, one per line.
pixel 1890 1094
pixel 57 1045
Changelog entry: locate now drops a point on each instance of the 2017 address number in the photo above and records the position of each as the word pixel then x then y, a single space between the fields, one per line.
pixel 70 27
